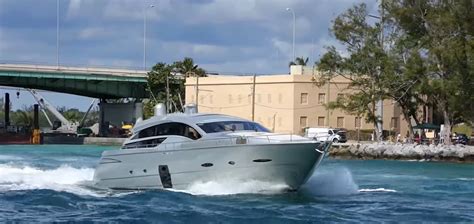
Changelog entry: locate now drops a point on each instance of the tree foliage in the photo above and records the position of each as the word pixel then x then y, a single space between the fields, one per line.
pixel 363 66
pixel 424 58
pixel 442 34
pixel 175 74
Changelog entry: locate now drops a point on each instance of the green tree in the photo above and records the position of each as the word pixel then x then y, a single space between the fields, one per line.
pixel 73 115
pixel 175 75
pixel 364 66
pixel 23 117
pixel 442 32
pixel 188 68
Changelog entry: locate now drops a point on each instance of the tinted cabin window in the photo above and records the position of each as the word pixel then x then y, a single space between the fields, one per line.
pixel 147 132
pixel 173 128
pixel 222 126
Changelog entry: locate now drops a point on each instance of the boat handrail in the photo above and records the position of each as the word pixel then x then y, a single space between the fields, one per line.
pixel 230 140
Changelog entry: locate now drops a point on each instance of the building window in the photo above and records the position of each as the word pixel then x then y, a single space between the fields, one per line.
pixel 357 122
pixel 304 98
pixel 321 121
pixel 269 98
pixel 322 98
pixel 303 121
pixel 340 95
pixel 239 99
pixel 201 99
pixel 230 99
pixel 394 122
pixel 340 122
pixel 280 98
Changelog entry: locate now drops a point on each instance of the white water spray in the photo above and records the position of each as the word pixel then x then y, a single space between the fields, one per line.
pixel 230 187
pixel 331 182
pixel 63 178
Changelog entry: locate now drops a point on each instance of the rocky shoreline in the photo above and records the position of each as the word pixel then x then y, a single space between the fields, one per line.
pixel 398 151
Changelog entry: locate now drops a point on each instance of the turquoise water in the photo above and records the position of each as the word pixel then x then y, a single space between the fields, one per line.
pixel 53 183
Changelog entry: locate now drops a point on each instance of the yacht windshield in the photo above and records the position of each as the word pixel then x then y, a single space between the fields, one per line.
pixel 221 126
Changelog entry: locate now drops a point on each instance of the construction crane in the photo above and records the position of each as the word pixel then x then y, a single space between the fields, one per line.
pixel 65 125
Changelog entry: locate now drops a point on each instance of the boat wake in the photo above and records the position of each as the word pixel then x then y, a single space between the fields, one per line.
pixel 330 182
pixel 377 190
pixel 63 178
pixel 78 181
pixel 230 187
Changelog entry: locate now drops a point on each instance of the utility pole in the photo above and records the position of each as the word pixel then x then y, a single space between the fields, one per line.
pixel 327 101
pixel 57 34
pixel 253 97
pixel 197 90
pixel 294 29
pixel 378 104
pixel 168 107
pixel 380 101
pixel 145 10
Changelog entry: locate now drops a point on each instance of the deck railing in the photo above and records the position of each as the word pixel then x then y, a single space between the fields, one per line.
pixel 225 141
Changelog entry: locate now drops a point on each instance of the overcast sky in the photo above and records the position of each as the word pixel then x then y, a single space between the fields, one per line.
pixel 225 36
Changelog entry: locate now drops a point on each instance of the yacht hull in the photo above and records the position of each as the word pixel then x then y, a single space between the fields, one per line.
pixel 290 164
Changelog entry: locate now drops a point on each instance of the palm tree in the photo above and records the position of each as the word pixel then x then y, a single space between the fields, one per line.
pixel 188 68
pixel 299 61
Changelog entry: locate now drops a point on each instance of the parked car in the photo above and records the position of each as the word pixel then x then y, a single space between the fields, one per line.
pixel 460 139
pixel 326 134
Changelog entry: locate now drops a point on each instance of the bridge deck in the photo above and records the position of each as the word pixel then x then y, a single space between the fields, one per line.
pixel 91 82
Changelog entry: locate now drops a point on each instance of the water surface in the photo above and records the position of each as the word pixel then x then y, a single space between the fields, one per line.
pixel 53 183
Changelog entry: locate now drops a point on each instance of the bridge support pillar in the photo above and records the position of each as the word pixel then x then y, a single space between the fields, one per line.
pixel 7 110
pixel 113 116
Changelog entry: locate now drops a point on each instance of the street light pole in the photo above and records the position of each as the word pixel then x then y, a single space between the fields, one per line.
pixel 57 34
pixel 294 29
pixel 379 104
pixel 144 34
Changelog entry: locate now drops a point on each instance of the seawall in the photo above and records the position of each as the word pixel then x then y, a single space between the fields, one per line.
pixel 451 153
pixel 103 141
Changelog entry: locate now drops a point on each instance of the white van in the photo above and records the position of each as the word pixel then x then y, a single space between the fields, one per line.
pixel 326 134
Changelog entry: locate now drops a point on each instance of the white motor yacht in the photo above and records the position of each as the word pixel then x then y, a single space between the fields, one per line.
pixel 179 149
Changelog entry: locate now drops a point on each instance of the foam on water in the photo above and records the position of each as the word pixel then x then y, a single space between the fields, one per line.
pixel 465 179
pixel 377 190
pixel 63 178
pixel 336 181
pixel 229 187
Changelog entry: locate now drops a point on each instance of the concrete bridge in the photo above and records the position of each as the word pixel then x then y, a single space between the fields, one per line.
pixel 102 83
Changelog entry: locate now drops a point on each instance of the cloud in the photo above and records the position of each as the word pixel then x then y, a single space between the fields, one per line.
pixel 219 33
pixel 73 9
pixel 92 32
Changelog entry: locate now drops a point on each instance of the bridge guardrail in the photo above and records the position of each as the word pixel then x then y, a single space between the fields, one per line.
pixel 79 70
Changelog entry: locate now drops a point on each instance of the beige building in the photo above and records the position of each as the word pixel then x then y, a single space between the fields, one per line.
pixel 283 103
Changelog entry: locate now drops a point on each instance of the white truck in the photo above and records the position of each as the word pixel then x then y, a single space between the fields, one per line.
pixel 326 134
